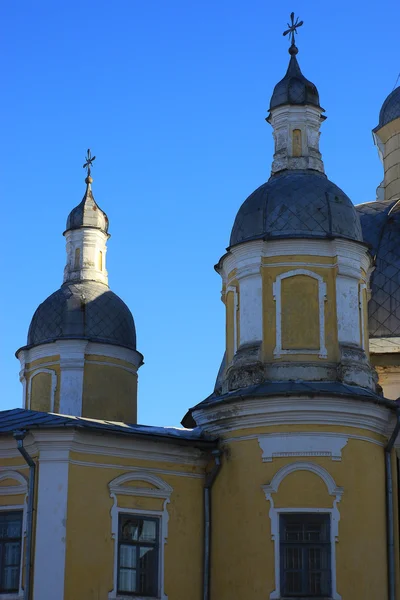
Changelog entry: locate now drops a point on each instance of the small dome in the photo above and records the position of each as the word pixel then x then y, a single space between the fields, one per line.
pixel 86 310
pixel 302 204
pixel 390 109
pixel 294 88
pixel 87 214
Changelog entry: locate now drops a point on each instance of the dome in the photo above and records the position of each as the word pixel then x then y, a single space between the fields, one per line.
pixel 380 222
pixel 85 310
pixel 390 109
pixel 303 204
pixel 294 88
pixel 87 213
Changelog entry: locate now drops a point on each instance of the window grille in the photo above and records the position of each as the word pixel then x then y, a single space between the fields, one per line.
pixel 138 555
pixel 305 555
pixel 10 550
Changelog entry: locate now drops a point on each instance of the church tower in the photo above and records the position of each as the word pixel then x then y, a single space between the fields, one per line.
pixel 295 405
pixel 81 357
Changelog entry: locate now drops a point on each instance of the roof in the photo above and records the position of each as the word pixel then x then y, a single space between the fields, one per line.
pixel 84 310
pixel 390 109
pixel 296 203
pixel 87 213
pixel 21 419
pixel 294 88
pixel 285 388
pixel 380 223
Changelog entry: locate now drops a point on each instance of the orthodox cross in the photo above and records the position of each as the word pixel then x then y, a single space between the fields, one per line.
pixel 293 28
pixel 89 162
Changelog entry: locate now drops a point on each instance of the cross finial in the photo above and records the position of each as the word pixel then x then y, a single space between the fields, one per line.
pixel 88 165
pixel 293 25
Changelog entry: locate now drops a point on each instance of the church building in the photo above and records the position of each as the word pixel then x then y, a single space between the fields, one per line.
pixel 283 483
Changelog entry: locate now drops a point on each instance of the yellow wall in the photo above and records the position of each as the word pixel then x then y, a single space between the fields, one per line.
pixel 300 313
pixel 41 383
pixel 90 558
pixel 109 390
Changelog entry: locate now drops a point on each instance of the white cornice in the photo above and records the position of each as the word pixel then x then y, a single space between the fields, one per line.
pixel 294 410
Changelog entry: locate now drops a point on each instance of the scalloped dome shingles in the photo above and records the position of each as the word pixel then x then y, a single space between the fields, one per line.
pixel 390 108
pixel 303 204
pixel 85 310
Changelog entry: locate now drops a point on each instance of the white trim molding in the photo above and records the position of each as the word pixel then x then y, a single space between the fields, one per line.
pixel 160 489
pixel 276 290
pixel 53 389
pixel 301 444
pixel 274 513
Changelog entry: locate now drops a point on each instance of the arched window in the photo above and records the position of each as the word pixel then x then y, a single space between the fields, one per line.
pixel 100 261
pixel 77 258
pixel 296 142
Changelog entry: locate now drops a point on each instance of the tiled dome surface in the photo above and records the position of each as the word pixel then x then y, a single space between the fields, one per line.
pixel 86 310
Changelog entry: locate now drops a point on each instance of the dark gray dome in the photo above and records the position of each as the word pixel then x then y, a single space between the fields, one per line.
pixel 87 310
pixel 294 88
pixel 390 109
pixel 87 213
pixel 380 223
pixel 296 204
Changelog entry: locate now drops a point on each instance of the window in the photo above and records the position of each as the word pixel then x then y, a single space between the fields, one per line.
pixel 10 550
pixel 305 555
pixel 77 258
pixel 138 555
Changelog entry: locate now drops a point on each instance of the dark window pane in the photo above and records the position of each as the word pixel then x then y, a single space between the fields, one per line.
pixel 10 550
pixel 148 571
pixel 305 555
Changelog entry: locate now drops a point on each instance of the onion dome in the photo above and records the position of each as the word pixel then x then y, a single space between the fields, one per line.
pixel 296 204
pixel 87 213
pixel 390 109
pixel 294 88
pixel 83 310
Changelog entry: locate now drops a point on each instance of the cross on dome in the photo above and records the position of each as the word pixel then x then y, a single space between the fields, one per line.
pixel 292 31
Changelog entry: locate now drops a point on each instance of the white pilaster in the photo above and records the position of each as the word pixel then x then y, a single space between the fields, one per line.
pixel 72 361
pixel 250 308
pixel 50 541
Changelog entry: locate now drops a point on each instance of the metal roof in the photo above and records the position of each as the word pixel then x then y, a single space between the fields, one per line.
pixel 302 204
pixel 21 419
pixel 285 388
pixel 83 310
pixel 380 223
pixel 390 109
pixel 294 88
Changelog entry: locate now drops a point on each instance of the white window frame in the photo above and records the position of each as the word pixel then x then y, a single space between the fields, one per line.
pixel 277 292
pixel 162 490
pixel 274 514
pixel 13 490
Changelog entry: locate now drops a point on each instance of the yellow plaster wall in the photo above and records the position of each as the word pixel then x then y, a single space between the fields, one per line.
pixel 328 274
pixel 300 313
pixel 390 136
pixel 243 551
pixel 90 557
pixel 41 392
pixel 109 392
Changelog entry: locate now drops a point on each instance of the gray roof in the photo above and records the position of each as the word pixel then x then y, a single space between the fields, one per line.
pixel 21 419
pixel 303 204
pixel 294 88
pixel 390 109
pixel 87 214
pixel 285 388
pixel 380 222
pixel 85 310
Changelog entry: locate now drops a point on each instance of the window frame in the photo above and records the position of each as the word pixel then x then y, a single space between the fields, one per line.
pixel 7 510
pixel 305 518
pixel 138 544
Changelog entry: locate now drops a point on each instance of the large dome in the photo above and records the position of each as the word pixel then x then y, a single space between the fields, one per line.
pixel 303 204
pixel 390 109
pixel 381 228
pixel 86 310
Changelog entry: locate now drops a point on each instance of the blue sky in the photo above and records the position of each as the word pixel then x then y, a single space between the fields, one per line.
pixel 171 97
